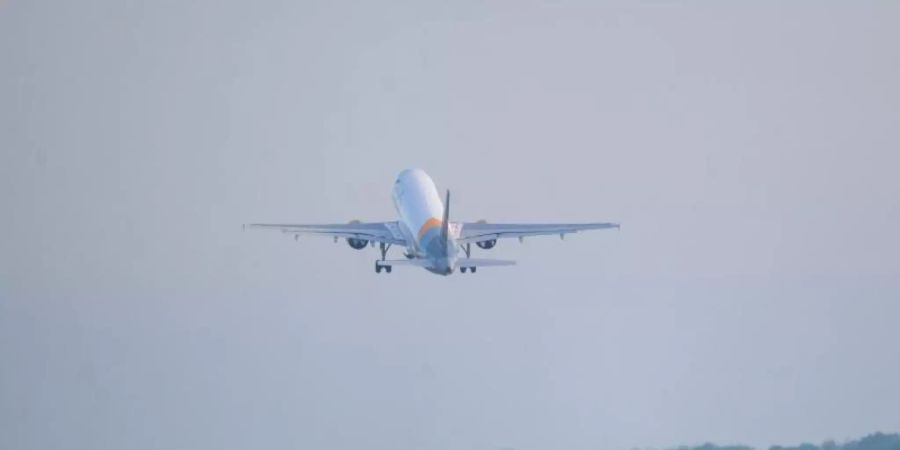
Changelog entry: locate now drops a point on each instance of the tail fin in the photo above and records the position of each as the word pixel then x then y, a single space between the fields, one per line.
pixel 445 226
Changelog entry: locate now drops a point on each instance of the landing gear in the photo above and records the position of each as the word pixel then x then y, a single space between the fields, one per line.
pixel 380 263
pixel 467 249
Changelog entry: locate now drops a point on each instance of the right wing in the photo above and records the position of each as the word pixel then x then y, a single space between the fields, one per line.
pixel 480 231
pixel 386 232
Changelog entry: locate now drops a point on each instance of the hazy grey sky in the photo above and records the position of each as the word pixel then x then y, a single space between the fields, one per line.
pixel 750 151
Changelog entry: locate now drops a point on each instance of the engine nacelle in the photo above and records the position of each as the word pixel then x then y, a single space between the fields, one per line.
pixel 487 244
pixel 357 244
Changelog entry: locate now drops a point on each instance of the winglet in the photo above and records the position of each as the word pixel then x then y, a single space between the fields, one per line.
pixel 445 226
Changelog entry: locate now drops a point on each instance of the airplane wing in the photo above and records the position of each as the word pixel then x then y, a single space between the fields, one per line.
pixel 387 232
pixel 479 231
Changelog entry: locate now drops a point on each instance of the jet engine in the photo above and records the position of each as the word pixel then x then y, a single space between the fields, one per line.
pixel 357 244
pixel 486 244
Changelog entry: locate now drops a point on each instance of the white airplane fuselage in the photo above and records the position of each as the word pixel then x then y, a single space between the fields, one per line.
pixel 420 211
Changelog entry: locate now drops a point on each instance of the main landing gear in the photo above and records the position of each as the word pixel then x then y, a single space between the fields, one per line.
pixel 468 251
pixel 378 267
pixel 380 264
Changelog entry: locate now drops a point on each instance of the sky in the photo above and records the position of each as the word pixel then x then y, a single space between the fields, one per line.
pixel 749 150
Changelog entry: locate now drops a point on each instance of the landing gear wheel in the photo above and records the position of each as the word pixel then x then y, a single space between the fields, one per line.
pixel 387 269
pixel 473 269
pixel 463 269
pixel 377 268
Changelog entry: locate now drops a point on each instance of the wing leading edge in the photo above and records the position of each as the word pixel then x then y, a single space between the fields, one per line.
pixel 478 231
pixel 386 232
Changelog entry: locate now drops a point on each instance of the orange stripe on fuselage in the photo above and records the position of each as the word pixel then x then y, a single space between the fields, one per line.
pixel 429 224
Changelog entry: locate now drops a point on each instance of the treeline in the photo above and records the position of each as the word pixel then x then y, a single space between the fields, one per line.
pixel 875 441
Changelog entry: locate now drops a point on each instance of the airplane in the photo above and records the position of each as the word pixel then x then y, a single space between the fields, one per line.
pixel 432 241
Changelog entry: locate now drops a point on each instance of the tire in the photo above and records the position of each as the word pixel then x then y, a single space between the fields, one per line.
pixel 377 268
pixel 387 269
pixel 463 269
pixel 473 269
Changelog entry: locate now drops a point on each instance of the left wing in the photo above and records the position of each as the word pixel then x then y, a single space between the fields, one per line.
pixel 479 231
pixel 386 232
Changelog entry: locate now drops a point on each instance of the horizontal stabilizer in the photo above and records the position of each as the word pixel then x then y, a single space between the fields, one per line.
pixel 476 262
pixel 403 262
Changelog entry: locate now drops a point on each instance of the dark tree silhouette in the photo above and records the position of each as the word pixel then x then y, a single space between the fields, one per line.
pixel 875 441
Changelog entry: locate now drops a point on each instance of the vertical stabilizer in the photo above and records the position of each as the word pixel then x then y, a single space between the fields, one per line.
pixel 445 225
